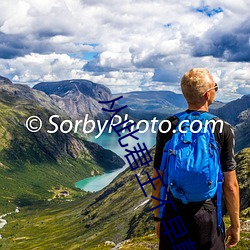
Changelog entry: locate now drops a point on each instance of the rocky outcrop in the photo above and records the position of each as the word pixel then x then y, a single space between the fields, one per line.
pixel 4 80
pixel 232 110
pixel 106 158
pixel 77 97
pixel 237 113
pixel 243 175
pixel 242 130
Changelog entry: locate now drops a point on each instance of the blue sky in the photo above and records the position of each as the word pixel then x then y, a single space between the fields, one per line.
pixel 126 45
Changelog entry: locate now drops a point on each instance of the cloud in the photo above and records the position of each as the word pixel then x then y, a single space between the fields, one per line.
pixel 139 45
pixel 34 68
pixel 231 45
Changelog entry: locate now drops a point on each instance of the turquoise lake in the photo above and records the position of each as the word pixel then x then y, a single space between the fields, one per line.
pixel 110 141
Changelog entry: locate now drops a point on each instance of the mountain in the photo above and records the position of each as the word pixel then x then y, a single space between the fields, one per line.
pixel 77 97
pixel 167 102
pixel 38 166
pixel 32 163
pixel 80 97
pixel 232 110
pixel 237 114
pixel 243 174
pixel 4 80
pixel 142 100
pixel 242 130
pixel 159 104
pixel 150 104
pixel 216 105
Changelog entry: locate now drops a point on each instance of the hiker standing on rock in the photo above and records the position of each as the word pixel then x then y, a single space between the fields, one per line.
pixel 196 161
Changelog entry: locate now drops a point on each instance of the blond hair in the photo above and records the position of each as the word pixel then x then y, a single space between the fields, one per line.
pixel 195 83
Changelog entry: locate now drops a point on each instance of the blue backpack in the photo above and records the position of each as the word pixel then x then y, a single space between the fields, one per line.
pixel 191 162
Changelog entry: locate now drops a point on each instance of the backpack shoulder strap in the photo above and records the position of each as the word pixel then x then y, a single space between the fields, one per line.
pixel 182 115
pixel 208 116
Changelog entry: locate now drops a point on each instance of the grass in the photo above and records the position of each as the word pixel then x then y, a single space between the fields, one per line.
pixel 54 225
pixel 79 224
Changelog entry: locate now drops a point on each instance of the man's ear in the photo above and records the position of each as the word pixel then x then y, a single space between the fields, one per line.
pixel 207 95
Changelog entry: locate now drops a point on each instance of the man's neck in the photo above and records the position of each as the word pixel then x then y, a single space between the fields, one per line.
pixel 198 107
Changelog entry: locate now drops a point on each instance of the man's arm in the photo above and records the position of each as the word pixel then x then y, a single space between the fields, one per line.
pixel 230 185
pixel 231 195
pixel 157 182
pixel 156 193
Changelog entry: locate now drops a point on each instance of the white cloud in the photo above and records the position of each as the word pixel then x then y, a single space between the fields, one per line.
pixel 140 44
pixel 35 68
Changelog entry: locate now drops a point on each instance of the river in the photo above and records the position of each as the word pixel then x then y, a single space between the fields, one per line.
pixel 3 222
pixel 110 141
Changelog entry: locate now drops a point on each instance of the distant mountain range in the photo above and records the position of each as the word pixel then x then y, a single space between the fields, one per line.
pixel 80 97
pixel 232 110
pixel 157 101
pixel 159 104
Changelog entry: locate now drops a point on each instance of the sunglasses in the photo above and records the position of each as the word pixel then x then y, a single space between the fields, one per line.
pixel 216 87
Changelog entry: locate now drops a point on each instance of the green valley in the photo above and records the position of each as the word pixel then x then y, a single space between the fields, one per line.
pixel 118 213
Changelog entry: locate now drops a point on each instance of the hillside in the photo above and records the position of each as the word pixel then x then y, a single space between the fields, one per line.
pixel 242 130
pixel 232 110
pixel 118 212
pixel 4 80
pixel 101 216
pixel 32 163
pixel 243 175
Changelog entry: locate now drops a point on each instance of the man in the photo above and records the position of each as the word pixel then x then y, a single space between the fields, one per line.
pixel 200 218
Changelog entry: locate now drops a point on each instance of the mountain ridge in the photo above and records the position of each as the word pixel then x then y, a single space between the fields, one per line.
pixel 237 113
pixel 230 111
pixel 4 80
pixel 77 97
